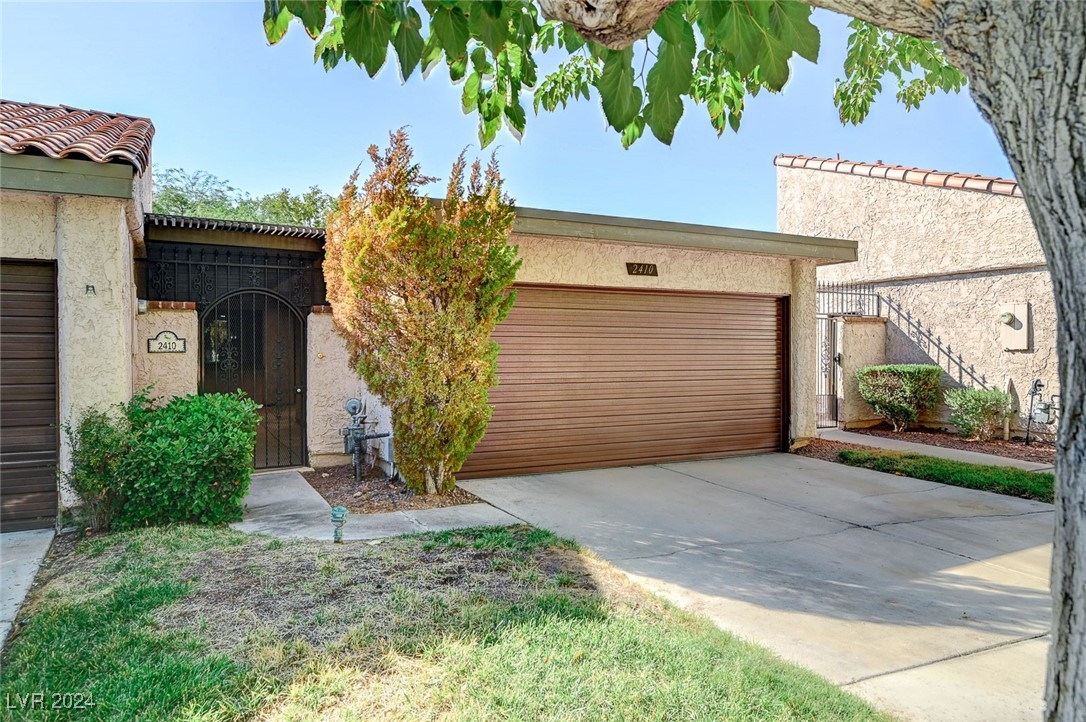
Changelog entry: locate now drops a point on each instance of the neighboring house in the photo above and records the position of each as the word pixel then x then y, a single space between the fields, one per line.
pixel 632 341
pixel 950 262
pixel 74 186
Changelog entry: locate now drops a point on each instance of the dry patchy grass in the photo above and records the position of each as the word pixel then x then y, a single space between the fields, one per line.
pixel 496 623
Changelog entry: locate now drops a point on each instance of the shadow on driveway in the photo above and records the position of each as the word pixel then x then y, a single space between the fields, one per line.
pixel 853 573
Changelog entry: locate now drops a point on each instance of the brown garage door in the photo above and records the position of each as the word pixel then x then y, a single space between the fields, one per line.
pixel 594 378
pixel 28 396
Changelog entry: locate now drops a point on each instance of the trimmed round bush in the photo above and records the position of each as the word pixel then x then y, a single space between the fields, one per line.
pixel 189 461
pixel 978 413
pixel 899 393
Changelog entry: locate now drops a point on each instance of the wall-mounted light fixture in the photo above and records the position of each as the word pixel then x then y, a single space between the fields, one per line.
pixel 141 306
pixel 90 290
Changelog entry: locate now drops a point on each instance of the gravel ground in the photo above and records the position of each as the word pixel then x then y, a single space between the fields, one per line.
pixel 1040 451
pixel 377 493
pixel 826 450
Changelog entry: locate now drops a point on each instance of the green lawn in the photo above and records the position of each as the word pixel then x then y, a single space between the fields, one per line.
pixel 1000 479
pixel 188 623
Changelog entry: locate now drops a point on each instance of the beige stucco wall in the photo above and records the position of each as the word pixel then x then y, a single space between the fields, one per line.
pixel 171 374
pixel 91 239
pixel 905 230
pixel 28 225
pixel 331 381
pixel 949 259
pixel 803 351
pixel 552 260
pixel 861 341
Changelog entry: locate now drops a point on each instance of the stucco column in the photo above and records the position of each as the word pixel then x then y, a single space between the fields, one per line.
pixel 169 374
pixel 95 292
pixel 803 331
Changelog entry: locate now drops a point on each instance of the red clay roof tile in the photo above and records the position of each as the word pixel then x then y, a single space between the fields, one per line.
pixel 62 132
pixel 906 174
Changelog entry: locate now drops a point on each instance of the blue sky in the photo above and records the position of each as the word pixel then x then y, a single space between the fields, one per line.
pixel 265 117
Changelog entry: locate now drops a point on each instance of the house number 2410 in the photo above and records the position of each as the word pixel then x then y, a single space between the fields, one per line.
pixel 641 269
pixel 166 342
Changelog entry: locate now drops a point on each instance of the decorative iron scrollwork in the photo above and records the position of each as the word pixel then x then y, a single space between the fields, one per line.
pixel 204 273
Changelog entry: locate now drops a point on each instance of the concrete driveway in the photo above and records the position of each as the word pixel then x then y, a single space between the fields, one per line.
pixel 931 601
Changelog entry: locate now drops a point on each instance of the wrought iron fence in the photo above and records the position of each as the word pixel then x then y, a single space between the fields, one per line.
pixel 848 299
pixel 204 273
pixel 860 299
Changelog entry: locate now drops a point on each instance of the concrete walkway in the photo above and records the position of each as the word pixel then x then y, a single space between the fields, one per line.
pixel 283 504
pixel 21 553
pixel 931 601
pixel 972 457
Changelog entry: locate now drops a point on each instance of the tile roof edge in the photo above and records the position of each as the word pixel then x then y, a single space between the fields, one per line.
pixel 168 220
pixel 904 174
pixel 72 108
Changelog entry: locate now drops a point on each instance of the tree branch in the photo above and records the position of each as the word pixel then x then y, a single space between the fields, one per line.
pixel 918 18
pixel 615 24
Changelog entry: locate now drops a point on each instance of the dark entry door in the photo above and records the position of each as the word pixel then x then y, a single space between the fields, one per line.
pixel 254 341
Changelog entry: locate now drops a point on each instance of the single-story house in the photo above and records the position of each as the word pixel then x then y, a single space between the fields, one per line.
pixel 949 271
pixel 631 341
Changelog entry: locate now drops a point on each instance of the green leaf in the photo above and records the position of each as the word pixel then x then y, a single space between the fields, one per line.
pixel 739 34
pixel 710 14
pixel 276 20
pixel 366 33
pixel 492 30
pixel 670 76
pixel 457 68
pixel 773 62
pixel 791 22
pixel 469 98
pixel 633 131
pixel 312 14
pixel 620 97
pixel 431 54
pixel 672 25
pixel 451 28
pixel 408 43
pixel 515 118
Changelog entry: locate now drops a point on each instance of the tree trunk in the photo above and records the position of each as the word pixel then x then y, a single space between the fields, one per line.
pixel 1027 74
pixel 1026 63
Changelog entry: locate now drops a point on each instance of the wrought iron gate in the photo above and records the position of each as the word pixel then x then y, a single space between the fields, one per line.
pixel 252 304
pixel 254 340
pixel 826 387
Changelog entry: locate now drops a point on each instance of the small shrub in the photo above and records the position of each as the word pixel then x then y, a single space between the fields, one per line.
pixel 899 393
pixel 99 441
pixel 978 413
pixel 190 460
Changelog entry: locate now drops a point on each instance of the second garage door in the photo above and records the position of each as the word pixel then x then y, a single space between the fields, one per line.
pixel 595 378
pixel 28 396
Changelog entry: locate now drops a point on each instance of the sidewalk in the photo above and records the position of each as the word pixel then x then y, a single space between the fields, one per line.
pixel 283 504
pixel 972 457
pixel 21 553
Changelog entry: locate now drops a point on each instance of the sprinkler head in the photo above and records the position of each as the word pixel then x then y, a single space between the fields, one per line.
pixel 339 518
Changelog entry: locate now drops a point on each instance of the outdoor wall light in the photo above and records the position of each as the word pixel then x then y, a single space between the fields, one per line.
pixel 90 290
pixel 141 306
pixel 1006 318
pixel 339 518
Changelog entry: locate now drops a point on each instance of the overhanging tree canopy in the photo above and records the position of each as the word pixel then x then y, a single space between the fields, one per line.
pixel 714 53
pixel 1026 65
